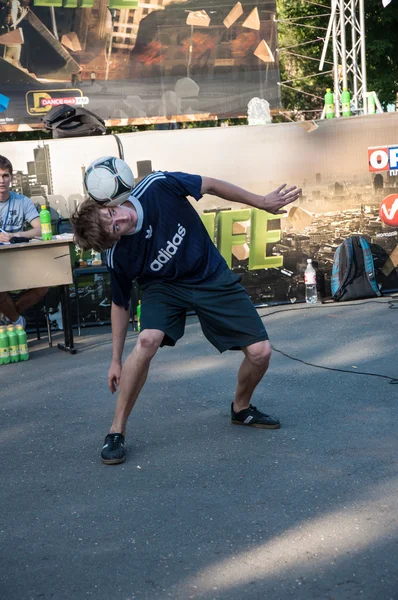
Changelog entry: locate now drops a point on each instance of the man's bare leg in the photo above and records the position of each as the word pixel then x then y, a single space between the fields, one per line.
pixel 251 371
pixel 30 298
pixel 134 374
pixel 7 307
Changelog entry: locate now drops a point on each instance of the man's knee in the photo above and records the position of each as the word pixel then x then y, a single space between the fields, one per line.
pixel 149 341
pixel 259 354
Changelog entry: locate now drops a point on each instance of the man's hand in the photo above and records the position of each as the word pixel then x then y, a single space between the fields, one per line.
pixel 114 373
pixel 5 237
pixel 276 200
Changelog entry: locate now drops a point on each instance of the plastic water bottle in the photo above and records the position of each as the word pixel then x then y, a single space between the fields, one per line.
pixel 13 344
pixel 22 343
pixel 4 347
pixel 346 103
pixel 45 223
pixel 311 295
pixel 371 104
pixel 329 104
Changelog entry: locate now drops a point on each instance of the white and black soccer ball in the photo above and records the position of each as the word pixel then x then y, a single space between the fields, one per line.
pixel 109 180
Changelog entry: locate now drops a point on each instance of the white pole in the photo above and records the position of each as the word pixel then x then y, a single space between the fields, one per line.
pixel 336 70
pixel 354 54
pixel 327 38
pixel 54 22
pixel 343 43
pixel 363 55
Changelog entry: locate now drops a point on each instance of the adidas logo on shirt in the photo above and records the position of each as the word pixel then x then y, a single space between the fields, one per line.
pixel 166 254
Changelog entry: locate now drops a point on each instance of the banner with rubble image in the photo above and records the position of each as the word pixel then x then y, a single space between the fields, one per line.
pixel 134 62
pixel 347 169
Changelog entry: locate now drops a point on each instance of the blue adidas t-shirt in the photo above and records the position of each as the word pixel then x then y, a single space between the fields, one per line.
pixel 170 242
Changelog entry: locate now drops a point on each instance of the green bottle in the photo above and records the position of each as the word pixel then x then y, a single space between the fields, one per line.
pixel 139 316
pixel 346 103
pixel 13 344
pixel 329 104
pixel 22 343
pixel 371 104
pixel 45 222
pixel 4 348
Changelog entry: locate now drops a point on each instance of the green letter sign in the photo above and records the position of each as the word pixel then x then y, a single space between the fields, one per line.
pixel 208 221
pixel 226 239
pixel 259 238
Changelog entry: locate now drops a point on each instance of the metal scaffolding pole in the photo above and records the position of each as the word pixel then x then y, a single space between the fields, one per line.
pixel 343 46
pixel 363 55
pixel 336 68
pixel 353 57
pixel 347 30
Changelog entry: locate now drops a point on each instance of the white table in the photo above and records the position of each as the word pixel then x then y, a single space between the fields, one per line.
pixel 40 264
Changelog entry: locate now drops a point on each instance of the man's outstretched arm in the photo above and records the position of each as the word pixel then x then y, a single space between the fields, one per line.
pixel 120 321
pixel 274 202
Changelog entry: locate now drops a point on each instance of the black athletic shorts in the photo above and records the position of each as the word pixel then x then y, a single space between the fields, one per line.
pixel 227 316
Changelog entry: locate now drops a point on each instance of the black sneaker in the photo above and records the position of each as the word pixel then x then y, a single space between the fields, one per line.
pixel 113 451
pixel 253 418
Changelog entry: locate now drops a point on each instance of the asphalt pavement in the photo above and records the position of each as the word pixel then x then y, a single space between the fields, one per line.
pixel 202 509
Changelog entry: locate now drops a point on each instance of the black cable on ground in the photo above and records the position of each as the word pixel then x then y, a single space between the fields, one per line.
pixel 393 303
pixel 392 380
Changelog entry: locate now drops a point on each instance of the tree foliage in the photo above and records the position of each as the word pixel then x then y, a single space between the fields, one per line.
pixel 301 30
pixel 382 48
pixel 381 51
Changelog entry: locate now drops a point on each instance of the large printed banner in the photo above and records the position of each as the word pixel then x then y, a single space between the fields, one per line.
pixel 136 62
pixel 347 168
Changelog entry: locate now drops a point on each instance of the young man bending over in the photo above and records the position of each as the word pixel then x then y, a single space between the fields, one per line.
pixel 158 238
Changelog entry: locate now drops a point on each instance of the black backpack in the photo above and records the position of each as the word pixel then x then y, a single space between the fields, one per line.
pixel 67 121
pixel 353 273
